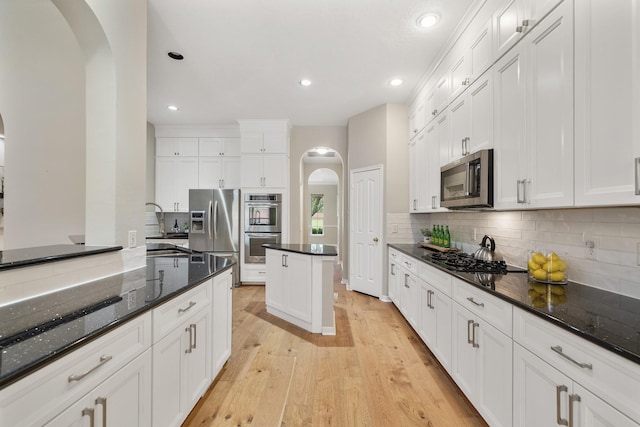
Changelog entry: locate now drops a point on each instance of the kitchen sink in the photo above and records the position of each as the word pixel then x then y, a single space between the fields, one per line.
pixel 166 250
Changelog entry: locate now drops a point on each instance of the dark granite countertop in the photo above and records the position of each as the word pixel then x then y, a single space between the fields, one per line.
pixel 306 249
pixel 15 258
pixel 610 320
pixel 39 330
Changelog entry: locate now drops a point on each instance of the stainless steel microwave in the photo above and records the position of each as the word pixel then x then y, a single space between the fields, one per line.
pixel 468 182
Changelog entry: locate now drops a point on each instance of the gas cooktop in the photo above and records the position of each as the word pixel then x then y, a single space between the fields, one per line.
pixel 466 263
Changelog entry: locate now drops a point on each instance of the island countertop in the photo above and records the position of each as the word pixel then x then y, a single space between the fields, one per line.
pixel 16 258
pixel 37 331
pixel 306 249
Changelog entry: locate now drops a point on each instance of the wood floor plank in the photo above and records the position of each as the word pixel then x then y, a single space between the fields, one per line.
pixel 374 372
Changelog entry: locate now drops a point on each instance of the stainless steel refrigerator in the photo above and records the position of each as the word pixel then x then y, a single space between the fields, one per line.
pixel 215 224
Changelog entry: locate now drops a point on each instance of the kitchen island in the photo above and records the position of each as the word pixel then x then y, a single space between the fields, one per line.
pixel 299 285
pixel 63 355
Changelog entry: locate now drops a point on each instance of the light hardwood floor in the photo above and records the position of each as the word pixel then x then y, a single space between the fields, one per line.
pixel 375 372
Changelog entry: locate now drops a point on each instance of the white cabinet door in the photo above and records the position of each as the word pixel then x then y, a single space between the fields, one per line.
pixel 482 365
pixel 459 124
pixel 221 319
pixel 549 103
pixel 181 369
pixel 410 294
pixel 231 172
pixel 434 322
pixel 591 411
pixel 124 399
pixel 495 382
pixel 275 142
pixel 418 174
pixel 210 147
pixel 274 289
pixel 444 137
pixel 540 392
pixel 393 280
pixel 174 177
pixel 417 116
pixel 252 170
pixel 480 100
pixel 187 177
pixel 507 20
pixel 275 170
pixel 459 72
pixel 297 285
pixel 509 130
pixel 432 167
pixel 172 147
pixel 481 51
pixel 210 172
pixel 607 104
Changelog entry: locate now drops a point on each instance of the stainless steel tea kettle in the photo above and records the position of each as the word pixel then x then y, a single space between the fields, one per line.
pixel 487 253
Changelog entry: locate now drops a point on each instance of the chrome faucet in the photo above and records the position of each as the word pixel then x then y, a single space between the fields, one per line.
pixel 161 216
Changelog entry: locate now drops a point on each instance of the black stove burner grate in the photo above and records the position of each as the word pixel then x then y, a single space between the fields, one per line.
pixel 465 263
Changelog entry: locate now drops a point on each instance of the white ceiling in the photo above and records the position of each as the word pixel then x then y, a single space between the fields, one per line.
pixel 244 58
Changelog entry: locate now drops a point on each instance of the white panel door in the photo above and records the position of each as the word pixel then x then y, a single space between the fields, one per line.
pixel 591 411
pixel 607 104
pixel 506 21
pixel 231 172
pixel 459 122
pixel 480 96
pixel 210 172
pixel 549 119
pixel 365 256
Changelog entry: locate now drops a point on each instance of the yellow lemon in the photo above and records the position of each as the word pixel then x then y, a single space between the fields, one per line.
pixel 538 258
pixel 532 293
pixel 538 302
pixel 538 288
pixel 557 289
pixel 551 266
pixel 553 256
pixel 533 266
pixel 541 274
pixel 556 276
pixel 562 266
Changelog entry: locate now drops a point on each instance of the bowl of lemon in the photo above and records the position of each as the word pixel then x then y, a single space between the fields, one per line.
pixel 547 267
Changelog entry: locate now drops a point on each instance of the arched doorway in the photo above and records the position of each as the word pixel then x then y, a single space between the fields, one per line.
pixel 322 172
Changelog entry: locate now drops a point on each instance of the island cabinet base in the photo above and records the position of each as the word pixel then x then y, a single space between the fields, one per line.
pixel 299 289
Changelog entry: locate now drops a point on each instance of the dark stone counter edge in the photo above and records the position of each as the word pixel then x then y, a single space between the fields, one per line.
pixel 558 322
pixel 10 379
pixel 88 250
pixel 302 249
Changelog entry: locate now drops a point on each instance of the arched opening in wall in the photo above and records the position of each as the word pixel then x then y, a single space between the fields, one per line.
pixel 2 157
pixel 322 210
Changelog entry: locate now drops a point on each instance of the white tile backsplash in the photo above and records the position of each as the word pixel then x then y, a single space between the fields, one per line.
pixel 616 232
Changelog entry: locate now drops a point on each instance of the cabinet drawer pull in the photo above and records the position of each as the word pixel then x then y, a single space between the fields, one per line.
pixel 469 323
pixel 559 420
pixel 103 401
pixel 572 398
pixel 195 335
pixel 190 330
pixel 184 310
pixel 584 365
pixel 89 412
pixel 471 300
pixel 77 377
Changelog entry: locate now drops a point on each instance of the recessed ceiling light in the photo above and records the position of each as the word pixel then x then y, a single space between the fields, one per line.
pixel 395 82
pixel 172 107
pixel 428 20
pixel 176 55
pixel 305 82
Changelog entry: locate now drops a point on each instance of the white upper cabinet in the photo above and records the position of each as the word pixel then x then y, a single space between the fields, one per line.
pixel 459 122
pixel 480 99
pixel 459 78
pixel 170 147
pixel 418 173
pixel 417 116
pixel 216 147
pixel 480 51
pixel 607 102
pixel 268 141
pixel 514 18
pixel 533 117
pixel 437 97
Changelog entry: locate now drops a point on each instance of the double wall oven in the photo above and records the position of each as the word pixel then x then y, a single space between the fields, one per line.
pixel 262 224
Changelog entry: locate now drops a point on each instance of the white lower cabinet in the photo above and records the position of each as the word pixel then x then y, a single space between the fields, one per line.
pixel 434 322
pixel 122 400
pixel 393 276
pixel 222 300
pixel 182 358
pixel 481 365
pixel 288 288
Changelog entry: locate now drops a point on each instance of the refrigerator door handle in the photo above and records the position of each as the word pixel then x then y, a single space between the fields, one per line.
pixel 215 220
pixel 209 219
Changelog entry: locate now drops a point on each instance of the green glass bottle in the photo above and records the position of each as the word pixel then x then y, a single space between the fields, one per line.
pixel 447 238
pixel 438 235
pixel 434 238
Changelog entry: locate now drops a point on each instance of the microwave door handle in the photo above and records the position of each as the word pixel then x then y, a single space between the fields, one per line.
pixel 467 184
pixel 215 220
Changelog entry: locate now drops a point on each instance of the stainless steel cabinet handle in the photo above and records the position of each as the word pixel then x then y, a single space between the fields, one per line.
pixel 406 277
pixel 473 335
pixel 466 145
pixel 559 420
pixel 408 264
pixel 190 330
pixel 184 310
pixel 195 335
pixel 525 23
pixel 433 202
pixel 103 401
pixel 519 198
pixel 558 349
pixel 393 273
pixel 77 377
pixel 572 398
pixel 89 412
pixel 469 323
pixel 429 300
pixel 519 29
pixel 637 162
pixel 471 300
pixel 462 150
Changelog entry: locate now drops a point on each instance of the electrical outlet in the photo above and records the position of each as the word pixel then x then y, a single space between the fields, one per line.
pixel 394 228
pixel 133 239
pixel 590 251
pixel 131 299
pixel 475 235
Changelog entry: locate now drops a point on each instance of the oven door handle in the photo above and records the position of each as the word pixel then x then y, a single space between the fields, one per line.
pixel 258 234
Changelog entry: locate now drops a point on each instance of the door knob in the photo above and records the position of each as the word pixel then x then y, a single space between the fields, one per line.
pixel 375 239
